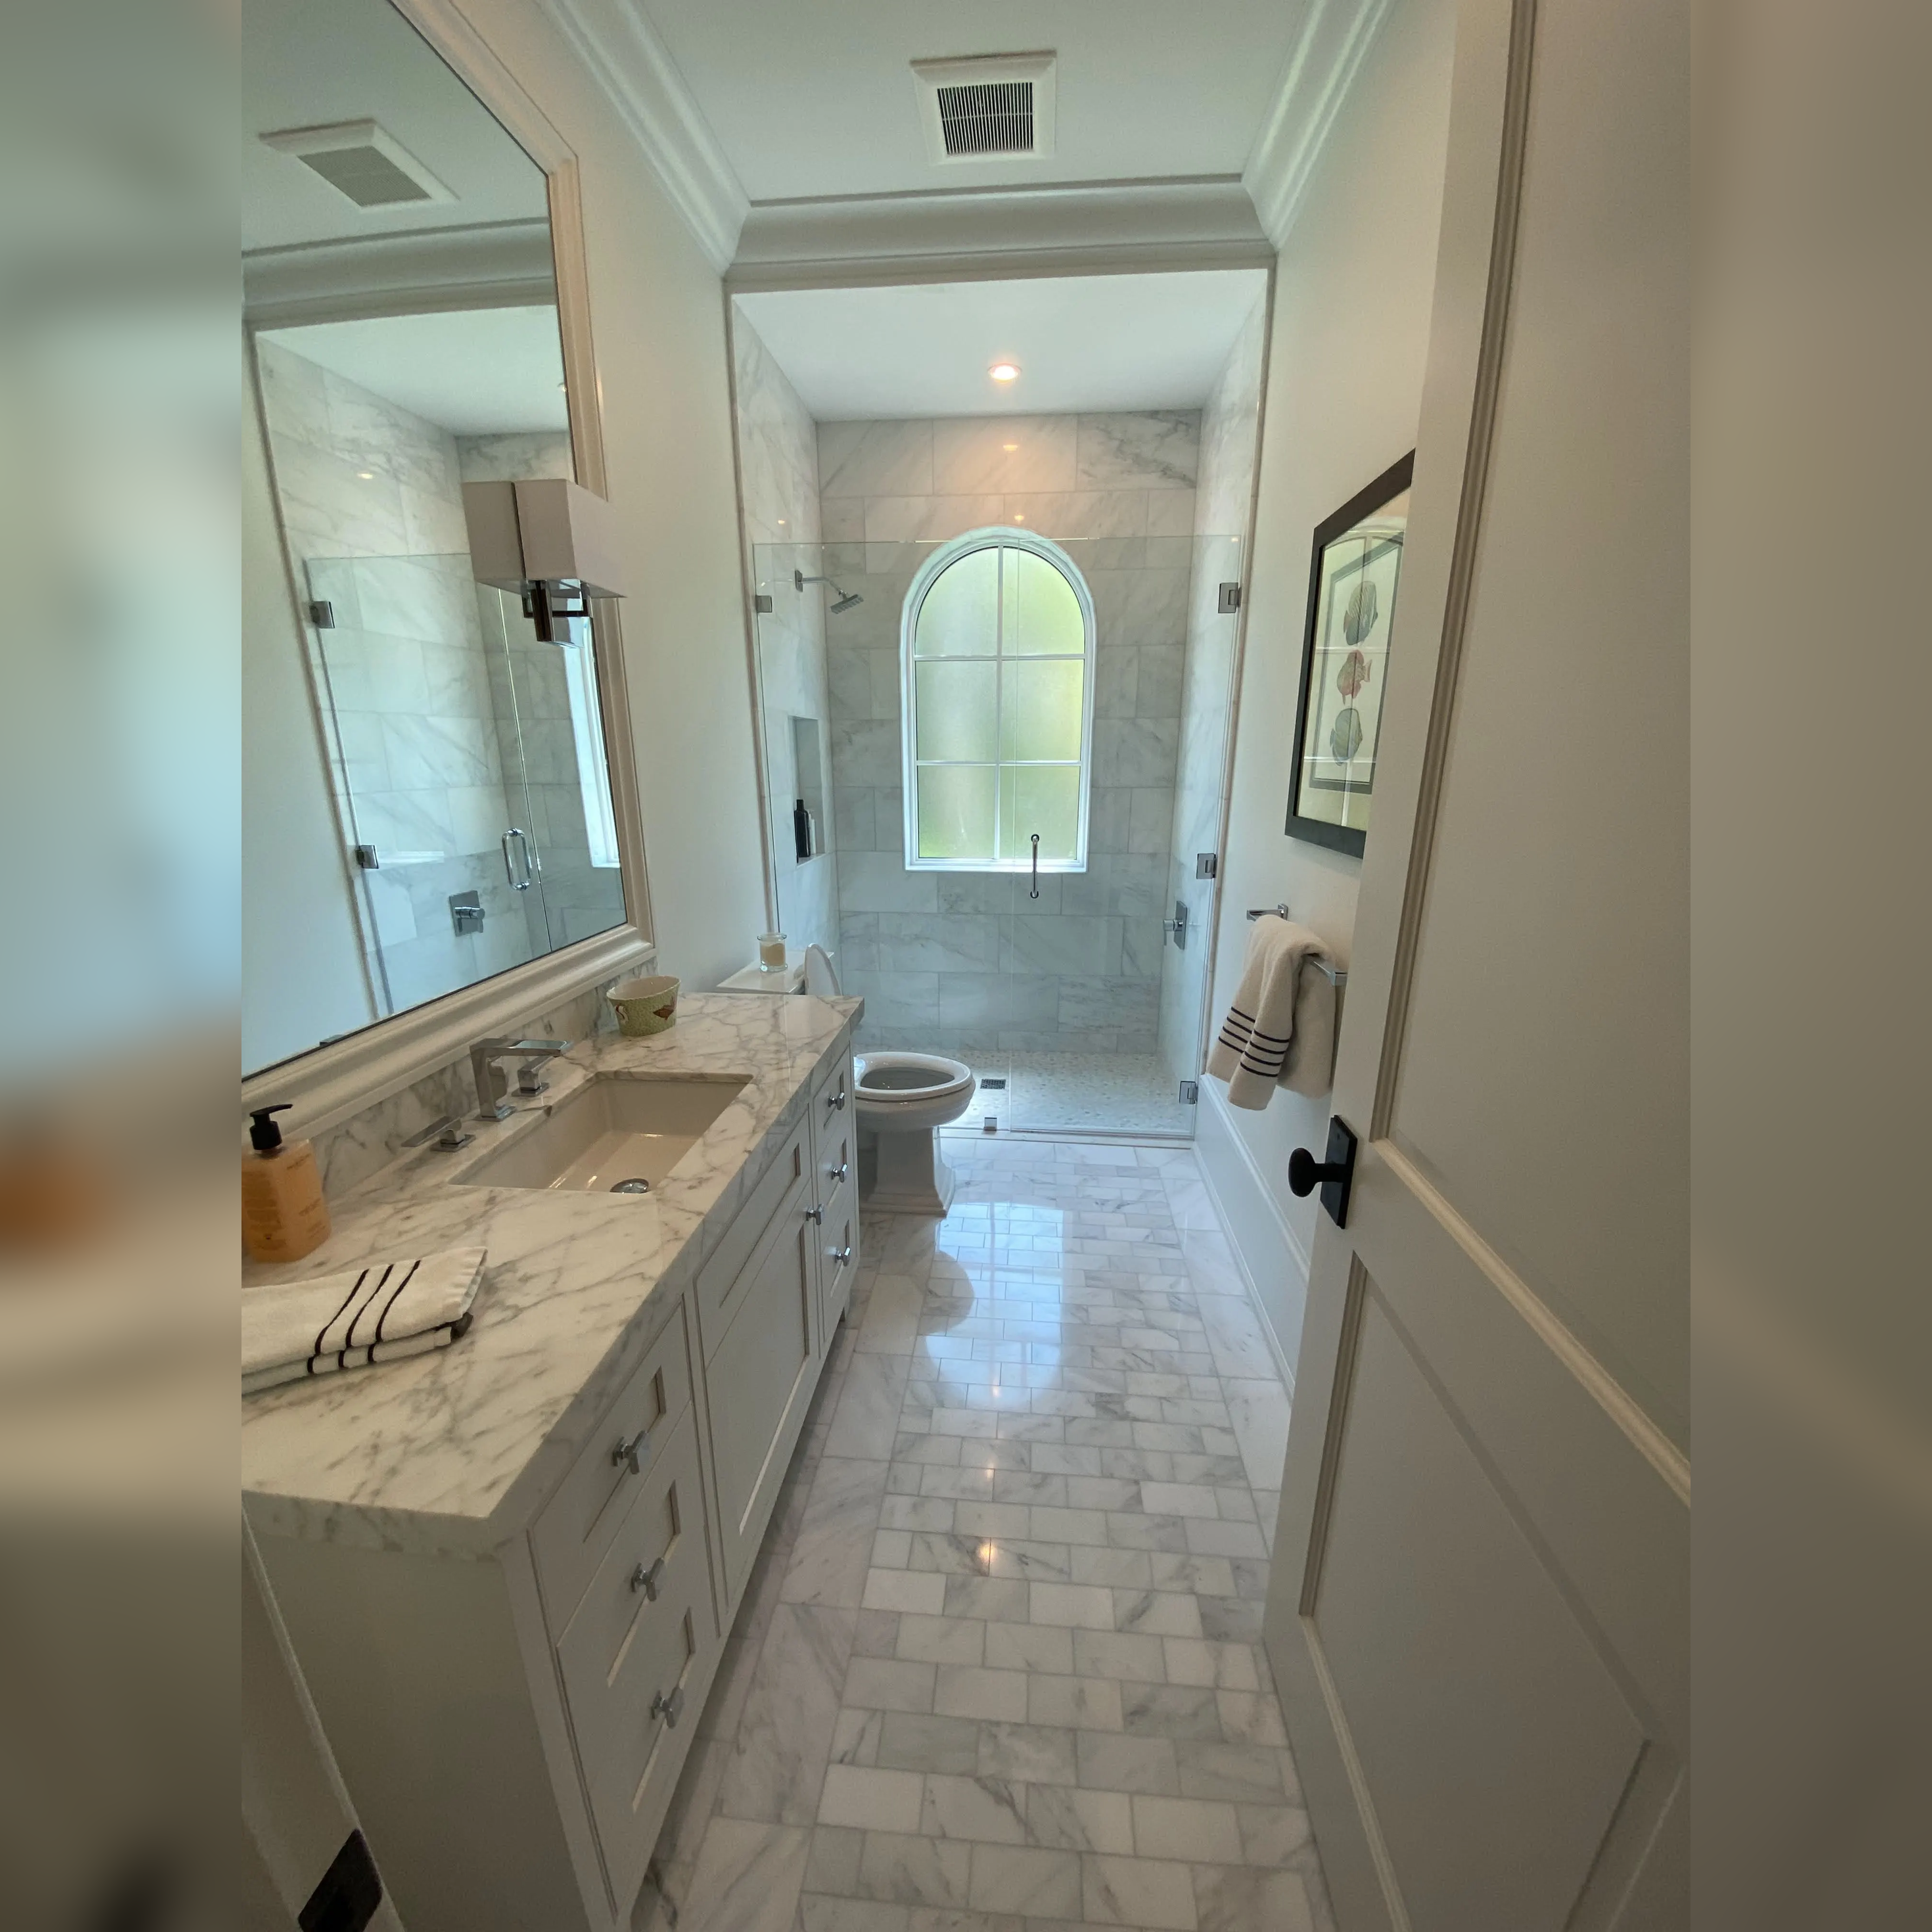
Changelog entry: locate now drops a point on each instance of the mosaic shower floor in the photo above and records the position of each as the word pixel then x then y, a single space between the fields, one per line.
pixel 1085 1092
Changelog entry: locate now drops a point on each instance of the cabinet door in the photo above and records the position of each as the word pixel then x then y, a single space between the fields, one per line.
pixel 759 1382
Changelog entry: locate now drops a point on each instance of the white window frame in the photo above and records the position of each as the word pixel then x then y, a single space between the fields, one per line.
pixel 993 537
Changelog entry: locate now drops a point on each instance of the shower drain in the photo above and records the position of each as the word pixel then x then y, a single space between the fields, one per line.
pixel 632 1186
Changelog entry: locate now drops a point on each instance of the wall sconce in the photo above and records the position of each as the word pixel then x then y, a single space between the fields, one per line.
pixel 552 541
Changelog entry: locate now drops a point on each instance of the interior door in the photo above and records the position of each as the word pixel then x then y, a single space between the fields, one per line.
pixel 1479 1610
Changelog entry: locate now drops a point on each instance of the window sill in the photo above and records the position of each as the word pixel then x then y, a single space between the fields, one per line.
pixel 1022 869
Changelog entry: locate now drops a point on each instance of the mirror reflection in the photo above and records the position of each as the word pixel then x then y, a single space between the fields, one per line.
pixel 427 800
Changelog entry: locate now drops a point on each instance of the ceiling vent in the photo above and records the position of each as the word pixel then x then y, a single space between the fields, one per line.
pixel 994 107
pixel 358 159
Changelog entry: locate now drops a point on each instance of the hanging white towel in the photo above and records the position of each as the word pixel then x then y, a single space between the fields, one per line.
pixel 1280 1027
pixel 380 1313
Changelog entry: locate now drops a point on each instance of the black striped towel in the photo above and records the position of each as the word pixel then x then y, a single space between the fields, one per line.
pixel 379 1313
pixel 1280 1027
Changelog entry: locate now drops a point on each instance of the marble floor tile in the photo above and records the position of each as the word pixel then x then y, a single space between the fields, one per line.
pixel 998 1668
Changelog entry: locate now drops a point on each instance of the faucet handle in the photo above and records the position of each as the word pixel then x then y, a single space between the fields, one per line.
pixel 447 1133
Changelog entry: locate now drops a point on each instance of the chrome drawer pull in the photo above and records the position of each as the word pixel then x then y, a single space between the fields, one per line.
pixel 835 1102
pixel 816 1215
pixel 842 1255
pixel 839 1173
pixel 630 1455
pixel 648 1580
pixel 670 1709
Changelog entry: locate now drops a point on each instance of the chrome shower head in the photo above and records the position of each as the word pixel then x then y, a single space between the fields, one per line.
pixel 843 602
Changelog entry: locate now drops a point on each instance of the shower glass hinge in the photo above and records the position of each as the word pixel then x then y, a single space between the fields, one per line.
pixel 764 604
pixel 365 856
pixel 1206 864
pixel 322 613
pixel 1231 600
pixel 1190 1092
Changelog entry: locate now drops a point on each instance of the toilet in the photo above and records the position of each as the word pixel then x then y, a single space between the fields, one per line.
pixel 902 1099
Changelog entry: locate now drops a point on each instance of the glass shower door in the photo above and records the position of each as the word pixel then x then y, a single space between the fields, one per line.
pixel 1200 795
pixel 560 848
pixel 470 853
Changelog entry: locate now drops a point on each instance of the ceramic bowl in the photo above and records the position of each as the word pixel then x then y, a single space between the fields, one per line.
pixel 645 1005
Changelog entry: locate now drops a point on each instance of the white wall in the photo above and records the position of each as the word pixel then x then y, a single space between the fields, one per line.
pixel 301 949
pixel 658 316
pixel 1351 332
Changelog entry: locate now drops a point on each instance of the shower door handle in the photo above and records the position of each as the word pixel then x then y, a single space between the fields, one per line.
pixel 522 837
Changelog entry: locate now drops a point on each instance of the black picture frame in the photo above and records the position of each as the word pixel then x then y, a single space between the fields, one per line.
pixel 1390 485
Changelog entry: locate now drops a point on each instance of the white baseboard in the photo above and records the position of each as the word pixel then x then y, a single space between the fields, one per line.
pixel 1273 1262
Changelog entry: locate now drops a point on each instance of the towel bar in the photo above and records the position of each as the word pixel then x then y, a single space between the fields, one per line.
pixel 1335 975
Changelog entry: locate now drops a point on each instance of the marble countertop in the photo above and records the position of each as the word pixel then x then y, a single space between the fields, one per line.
pixel 453 1453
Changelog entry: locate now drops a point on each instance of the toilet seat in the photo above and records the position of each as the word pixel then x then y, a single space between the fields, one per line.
pixel 888 1081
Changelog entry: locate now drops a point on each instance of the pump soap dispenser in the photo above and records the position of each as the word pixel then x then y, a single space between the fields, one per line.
pixel 284 1215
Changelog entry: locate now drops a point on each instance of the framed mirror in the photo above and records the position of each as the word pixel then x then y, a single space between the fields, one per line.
pixel 1345 658
pixel 440 807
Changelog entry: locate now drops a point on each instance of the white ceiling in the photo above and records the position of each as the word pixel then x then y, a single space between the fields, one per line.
pixel 307 65
pixel 818 100
pixel 1106 342
pixel 477 372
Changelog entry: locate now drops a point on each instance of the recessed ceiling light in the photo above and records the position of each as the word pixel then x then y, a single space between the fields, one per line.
pixel 1009 447
pixel 365 476
pixel 1004 372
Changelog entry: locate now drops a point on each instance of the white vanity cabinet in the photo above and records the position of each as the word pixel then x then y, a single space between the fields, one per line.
pixel 512 1723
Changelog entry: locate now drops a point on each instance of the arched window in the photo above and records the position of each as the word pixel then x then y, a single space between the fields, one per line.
pixel 997 654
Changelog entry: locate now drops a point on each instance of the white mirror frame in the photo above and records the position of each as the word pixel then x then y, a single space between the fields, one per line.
pixel 330 1084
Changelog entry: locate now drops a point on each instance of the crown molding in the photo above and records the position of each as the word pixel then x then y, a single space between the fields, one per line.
pixel 1336 37
pixel 957 234
pixel 505 265
pixel 622 53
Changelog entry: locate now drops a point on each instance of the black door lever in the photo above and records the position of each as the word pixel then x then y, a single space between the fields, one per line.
pixel 1335 1175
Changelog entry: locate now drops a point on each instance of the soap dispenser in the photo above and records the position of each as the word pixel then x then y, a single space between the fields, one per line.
pixel 284 1215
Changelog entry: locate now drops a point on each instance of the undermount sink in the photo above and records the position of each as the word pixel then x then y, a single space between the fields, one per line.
pixel 612 1130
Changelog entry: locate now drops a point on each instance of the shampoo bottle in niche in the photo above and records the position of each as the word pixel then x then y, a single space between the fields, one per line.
pixel 284 1215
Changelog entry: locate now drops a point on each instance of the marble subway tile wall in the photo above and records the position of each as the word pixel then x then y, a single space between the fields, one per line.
pixel 965 962
pixel 371 500
pixel 778 485
pixel 1230 427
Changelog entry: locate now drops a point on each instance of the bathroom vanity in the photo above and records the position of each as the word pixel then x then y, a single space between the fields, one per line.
pixel 509 1568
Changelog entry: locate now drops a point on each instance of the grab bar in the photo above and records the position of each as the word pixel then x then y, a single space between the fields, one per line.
pixel 1335 975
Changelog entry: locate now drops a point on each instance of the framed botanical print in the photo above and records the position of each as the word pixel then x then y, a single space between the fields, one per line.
pixel 1351 588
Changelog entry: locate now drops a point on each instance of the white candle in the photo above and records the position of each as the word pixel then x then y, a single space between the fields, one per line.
pixel 771 951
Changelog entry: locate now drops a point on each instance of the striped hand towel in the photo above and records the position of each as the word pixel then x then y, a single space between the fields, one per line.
pixel 1280 1029
pixel 380 1313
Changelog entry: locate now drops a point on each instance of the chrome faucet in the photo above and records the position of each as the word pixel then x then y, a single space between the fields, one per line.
pixel 530 1054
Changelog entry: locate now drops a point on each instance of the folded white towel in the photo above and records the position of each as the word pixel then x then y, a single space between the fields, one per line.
pixel 1280 1028
pixel 380 1313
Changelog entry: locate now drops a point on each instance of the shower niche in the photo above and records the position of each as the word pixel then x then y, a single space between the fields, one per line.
pixel 808 815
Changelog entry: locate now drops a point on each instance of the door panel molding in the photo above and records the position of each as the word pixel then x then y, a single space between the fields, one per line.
pixel 1650 1442
pixel 1448 580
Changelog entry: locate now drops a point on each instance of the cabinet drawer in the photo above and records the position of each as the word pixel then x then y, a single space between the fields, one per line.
pixel 721 1282
pixel 832 1103
pixel 835 1137
pixel 838 1237
pixel 578 1522
pixel 625 1653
